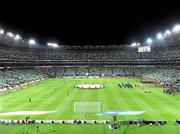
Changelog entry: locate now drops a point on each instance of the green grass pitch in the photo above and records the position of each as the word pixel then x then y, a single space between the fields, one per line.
pixel 60 95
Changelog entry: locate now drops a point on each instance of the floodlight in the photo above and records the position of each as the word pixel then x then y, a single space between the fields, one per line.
pixel 32 42
pixel 133 44
pixel 149 40
pixel 55 45
pixel 176 28
pixel 159 36
pixel 167 33
pixel 49 44
pixel 52 44
pixel 10 34
pixel 1 31
pixel 17 37
pixel 138 44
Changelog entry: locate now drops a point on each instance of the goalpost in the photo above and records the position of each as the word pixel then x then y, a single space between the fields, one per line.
pixel 87 107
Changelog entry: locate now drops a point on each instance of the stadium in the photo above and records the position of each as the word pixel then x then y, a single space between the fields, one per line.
pixel 79 70
pixel 93 89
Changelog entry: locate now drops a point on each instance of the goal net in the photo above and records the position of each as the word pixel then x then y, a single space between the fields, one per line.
pixel 87 107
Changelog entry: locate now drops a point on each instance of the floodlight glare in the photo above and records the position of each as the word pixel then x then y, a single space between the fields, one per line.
pixel 138 44
pixel 167 33
pixel 133 44
pixel 32 42
pixel 49 44
pixel 52 45
pixel 55 45
pixel 1 31
pixel 17 37
pixel 159 36
pixel 176 28
pixel 149 40
pixel 10 34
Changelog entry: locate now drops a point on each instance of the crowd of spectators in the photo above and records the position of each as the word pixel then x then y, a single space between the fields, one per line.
pixel 15 76
pixel 124 54
pixel 20 51
pixel 12 77
pixel 171 75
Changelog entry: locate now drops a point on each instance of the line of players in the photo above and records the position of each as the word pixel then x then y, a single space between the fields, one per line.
pixel 125 85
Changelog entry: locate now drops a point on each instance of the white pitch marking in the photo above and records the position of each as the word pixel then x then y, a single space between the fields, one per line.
pixel 26 113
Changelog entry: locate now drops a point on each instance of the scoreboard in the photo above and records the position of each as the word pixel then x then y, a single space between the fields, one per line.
pixel 144 49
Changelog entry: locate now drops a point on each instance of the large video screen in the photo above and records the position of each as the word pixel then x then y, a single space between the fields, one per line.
pixel 144 49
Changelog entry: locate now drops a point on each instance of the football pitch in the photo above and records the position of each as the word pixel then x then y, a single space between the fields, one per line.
pixel 59 97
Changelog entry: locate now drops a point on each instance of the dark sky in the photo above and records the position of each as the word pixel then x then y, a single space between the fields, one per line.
pixel 90 24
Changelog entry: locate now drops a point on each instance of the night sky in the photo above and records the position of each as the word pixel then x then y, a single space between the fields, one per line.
pixel 90 24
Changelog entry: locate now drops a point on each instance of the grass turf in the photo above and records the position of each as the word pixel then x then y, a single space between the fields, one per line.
pixel 59 95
